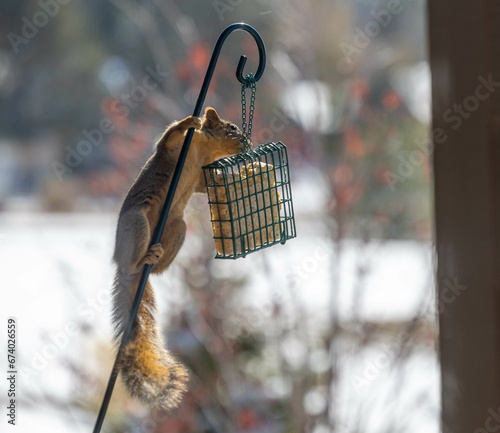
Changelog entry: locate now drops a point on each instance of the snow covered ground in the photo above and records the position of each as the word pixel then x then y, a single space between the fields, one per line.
pixel 42 255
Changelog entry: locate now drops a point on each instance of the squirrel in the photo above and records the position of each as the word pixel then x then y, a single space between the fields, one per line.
pixel 149 371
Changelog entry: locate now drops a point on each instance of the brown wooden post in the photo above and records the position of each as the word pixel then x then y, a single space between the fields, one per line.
pixel 464 40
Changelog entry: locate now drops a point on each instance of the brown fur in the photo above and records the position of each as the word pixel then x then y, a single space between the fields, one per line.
pixel 148 369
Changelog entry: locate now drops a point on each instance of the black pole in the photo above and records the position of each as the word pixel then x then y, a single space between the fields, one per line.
pixel 173 186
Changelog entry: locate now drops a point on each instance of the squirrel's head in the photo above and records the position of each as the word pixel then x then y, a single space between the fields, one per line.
pixel 222 138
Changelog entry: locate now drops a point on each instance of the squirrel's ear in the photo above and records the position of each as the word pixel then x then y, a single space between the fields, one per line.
pixel 211 116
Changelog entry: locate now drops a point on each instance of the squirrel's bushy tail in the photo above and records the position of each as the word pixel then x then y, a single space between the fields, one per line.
pixel 148 370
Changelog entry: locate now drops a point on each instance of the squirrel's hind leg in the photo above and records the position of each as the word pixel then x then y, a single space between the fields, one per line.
pixel 171 240
pixel 133 236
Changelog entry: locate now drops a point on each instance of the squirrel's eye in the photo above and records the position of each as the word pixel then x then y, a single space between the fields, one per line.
pixel 234 127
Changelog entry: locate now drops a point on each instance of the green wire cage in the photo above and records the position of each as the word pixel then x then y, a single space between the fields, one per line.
pixel 250 201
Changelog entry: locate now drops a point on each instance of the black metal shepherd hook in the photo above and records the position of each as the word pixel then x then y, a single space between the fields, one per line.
pixel 173 186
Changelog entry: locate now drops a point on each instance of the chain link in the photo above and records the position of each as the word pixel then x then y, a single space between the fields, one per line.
pixel 246 126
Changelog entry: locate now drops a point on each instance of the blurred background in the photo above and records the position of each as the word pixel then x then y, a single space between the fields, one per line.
pixel 334 331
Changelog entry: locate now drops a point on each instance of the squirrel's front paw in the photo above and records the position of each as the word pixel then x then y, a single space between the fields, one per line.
pixel 153 255
pixel 191 122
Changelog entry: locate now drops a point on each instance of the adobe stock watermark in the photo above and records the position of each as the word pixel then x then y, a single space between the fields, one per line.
pixel 377 363
pixel 454 116
pixel 362 36
pixel 151 422
pixel 491 423
pixel 47 9
pixel 450 291
pixel 382 359
pixel 243 326
pixel 277 123
pixel 121 108
pixel 385 355
pixel 223 7
pixel 59 340
pixel 309 265
pixel 252 319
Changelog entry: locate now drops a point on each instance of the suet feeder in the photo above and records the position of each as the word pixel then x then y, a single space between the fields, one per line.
pixel 250 200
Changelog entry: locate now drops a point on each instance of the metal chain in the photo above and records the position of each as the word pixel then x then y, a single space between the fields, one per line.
pixel 247 126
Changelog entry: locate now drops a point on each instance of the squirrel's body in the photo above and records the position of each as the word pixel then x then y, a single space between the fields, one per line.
pixel 149 371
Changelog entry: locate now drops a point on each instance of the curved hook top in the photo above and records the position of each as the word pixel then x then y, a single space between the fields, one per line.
pixel 260 45
pixel 241 63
